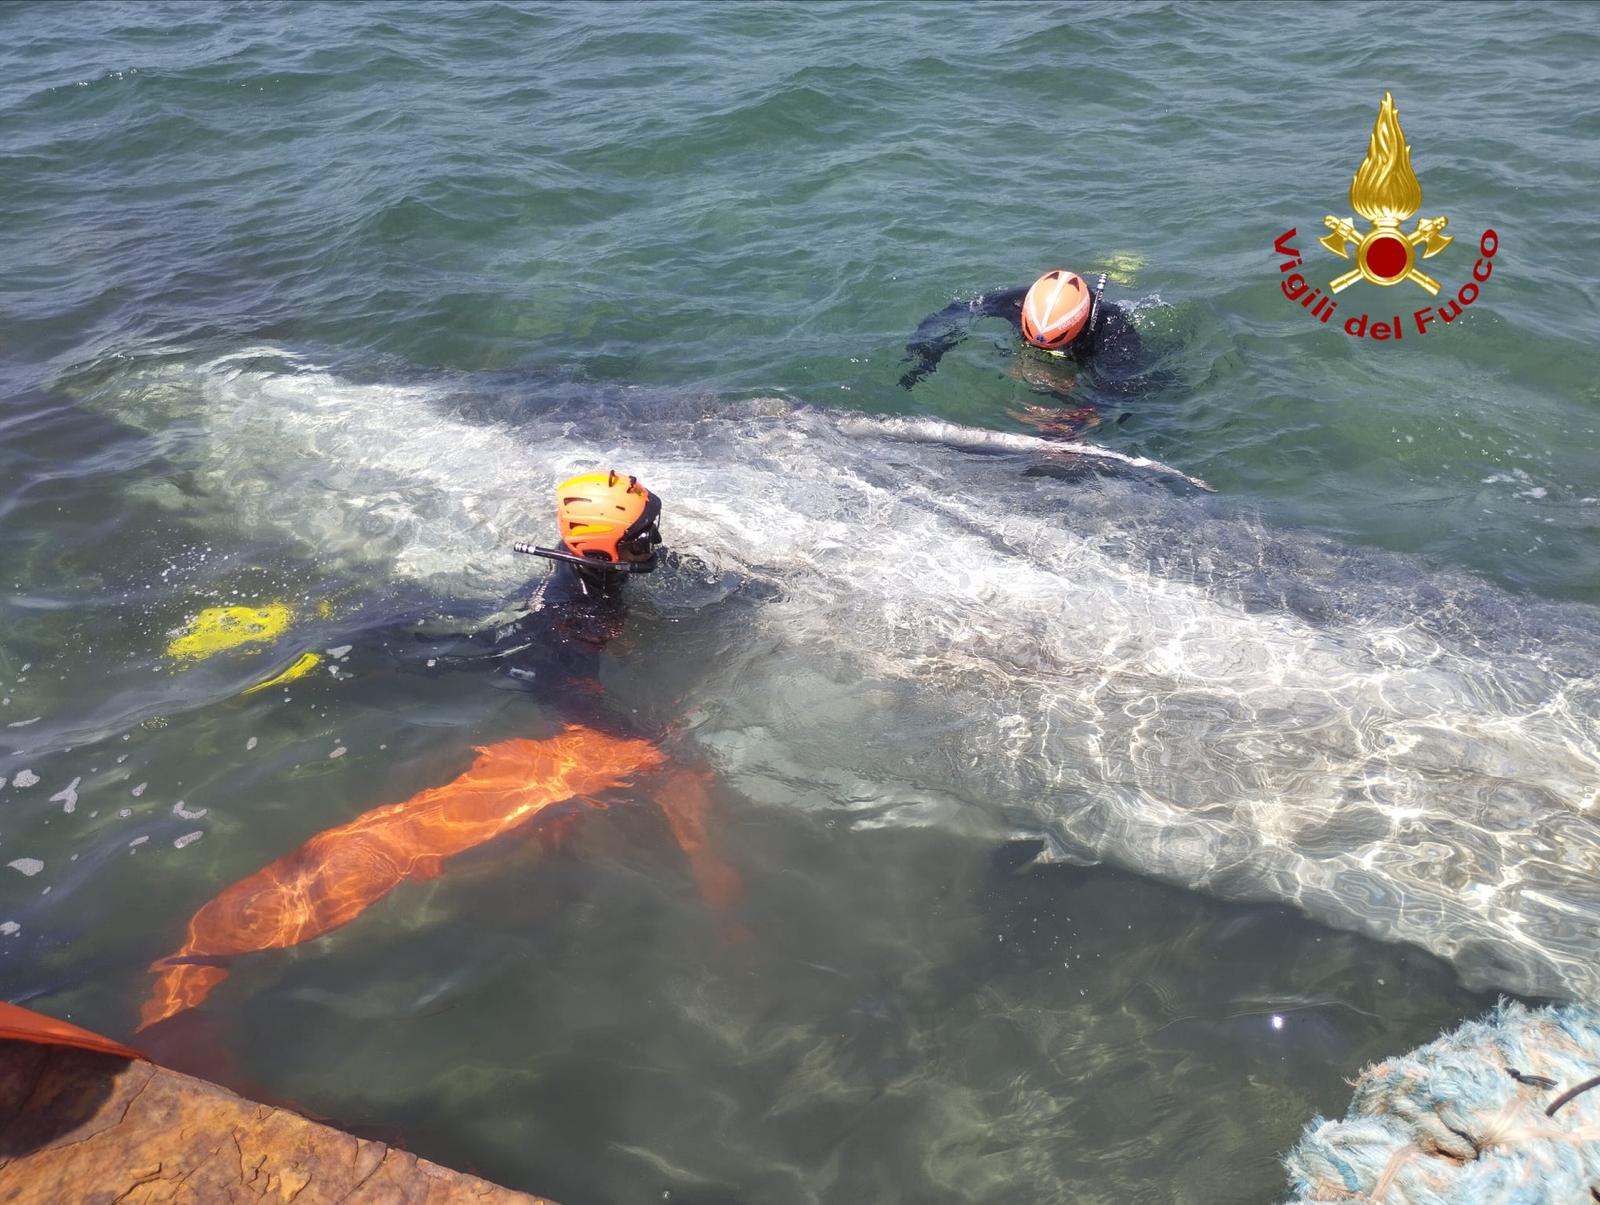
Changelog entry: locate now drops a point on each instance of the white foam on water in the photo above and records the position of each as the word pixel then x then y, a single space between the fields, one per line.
pixel 67 797
pixel 956 629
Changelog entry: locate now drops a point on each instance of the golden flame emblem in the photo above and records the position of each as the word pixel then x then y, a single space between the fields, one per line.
pixel 1386 192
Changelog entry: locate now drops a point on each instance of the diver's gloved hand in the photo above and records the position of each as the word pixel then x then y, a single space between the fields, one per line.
pixel 924 354
pixel 924 358
pixel 920 360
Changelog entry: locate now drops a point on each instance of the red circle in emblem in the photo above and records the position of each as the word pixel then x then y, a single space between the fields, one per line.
pixel 1387 257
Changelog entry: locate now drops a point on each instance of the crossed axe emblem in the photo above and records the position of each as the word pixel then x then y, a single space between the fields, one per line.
pixel 1427 235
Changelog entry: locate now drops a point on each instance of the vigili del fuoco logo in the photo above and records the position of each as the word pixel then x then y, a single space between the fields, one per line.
pixel 1386 192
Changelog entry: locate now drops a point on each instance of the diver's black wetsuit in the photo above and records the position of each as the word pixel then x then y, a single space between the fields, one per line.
pixel 1109 343
pixel 569 618
pixel 555 641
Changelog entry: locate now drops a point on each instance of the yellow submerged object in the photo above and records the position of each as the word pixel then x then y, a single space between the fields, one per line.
pixel 217 629
pixel 1122 267
pixel 302 666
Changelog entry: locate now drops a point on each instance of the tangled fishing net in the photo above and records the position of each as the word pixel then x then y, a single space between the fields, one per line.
pixel 1505 1110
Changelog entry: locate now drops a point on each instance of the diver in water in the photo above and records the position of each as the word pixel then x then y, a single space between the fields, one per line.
pixel 609 531
pixel 550 633
pixel 1062 319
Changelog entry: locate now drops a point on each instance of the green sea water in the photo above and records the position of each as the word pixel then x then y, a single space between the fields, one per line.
pixel 314 303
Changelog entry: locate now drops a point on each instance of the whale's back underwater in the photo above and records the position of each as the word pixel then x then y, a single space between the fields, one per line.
pixel 957 628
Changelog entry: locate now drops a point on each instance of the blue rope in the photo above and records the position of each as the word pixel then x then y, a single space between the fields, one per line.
pixel 1464 1119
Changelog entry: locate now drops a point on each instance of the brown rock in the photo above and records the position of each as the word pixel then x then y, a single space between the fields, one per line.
pixel 81 1126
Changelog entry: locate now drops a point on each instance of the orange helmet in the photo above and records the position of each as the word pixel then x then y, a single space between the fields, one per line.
pixel 608 517
pixel 1055 309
